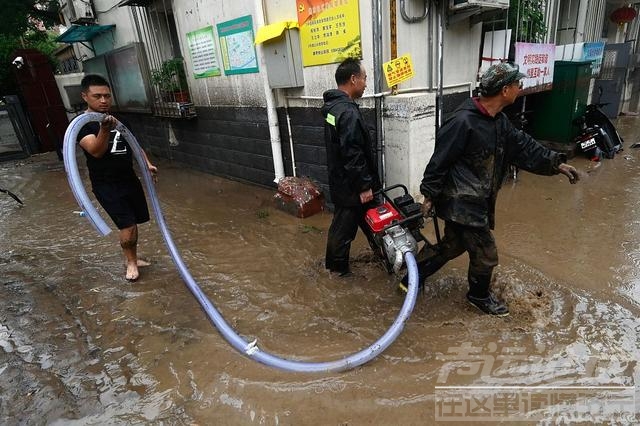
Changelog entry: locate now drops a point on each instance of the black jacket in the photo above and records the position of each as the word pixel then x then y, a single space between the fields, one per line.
pixel 350 154
pixel 472 154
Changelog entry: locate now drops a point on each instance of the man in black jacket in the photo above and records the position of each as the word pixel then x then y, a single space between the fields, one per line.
pixel 352 173
pixel 472 154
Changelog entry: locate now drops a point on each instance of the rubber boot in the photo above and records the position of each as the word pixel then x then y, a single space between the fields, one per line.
pixel 426 268
pixel 480 296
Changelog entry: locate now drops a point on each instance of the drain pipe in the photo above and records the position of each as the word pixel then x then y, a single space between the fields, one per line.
pixel 293 155
pixel 377 85
pixel 440 108
pixel 249 349
pixel 430 50
pixel 272 115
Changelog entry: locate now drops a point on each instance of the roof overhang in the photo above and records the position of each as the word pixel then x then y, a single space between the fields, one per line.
pixel 82 33
pixel 139 3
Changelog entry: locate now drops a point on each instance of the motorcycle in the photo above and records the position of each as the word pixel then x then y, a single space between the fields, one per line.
pixel 598 136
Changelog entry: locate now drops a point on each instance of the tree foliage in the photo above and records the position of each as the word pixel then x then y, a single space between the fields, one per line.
pixel 19 16
pixel 526 19
pixel 21 23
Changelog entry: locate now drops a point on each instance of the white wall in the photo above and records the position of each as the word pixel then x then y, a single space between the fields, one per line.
pixel 108 13
pixel 462 48
pixel 244 89
pixel 461 53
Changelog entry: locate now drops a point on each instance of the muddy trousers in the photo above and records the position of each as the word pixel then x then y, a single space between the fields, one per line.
pixel 343 230
pixel 483 256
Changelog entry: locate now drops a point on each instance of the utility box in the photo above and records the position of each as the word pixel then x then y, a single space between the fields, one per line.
pixel 554 111
pixel 284 60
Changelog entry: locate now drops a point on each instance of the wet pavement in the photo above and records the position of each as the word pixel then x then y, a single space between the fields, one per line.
pixel 80 345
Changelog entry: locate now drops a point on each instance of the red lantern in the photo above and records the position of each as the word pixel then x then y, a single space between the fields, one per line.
pixel 623 15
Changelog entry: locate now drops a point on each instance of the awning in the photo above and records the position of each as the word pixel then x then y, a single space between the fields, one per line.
pixel 80 33
pixel 139 3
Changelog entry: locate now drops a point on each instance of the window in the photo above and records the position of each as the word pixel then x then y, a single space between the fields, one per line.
pixel 156 30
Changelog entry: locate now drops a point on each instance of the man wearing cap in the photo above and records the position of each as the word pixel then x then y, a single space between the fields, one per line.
pixel 473 151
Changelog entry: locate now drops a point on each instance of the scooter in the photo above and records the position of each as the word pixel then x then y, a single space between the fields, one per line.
pixel 598 137
pixel 594 116
pixel 593 142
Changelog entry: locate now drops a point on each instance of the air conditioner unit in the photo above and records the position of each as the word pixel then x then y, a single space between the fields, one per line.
pixel 81 12
pixel 487 4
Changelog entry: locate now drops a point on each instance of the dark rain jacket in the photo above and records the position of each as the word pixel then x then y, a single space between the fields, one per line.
pixel 472 154
pixel 350 154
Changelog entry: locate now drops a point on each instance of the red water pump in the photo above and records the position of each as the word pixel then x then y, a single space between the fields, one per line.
pixel 395 226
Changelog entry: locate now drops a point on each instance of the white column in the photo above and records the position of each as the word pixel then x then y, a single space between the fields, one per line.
pixel 409 123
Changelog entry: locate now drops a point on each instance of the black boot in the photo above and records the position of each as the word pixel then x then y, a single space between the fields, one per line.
pixel 480 296
pixel 426 268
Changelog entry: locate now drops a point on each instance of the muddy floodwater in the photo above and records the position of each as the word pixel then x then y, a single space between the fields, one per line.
pixel 80 345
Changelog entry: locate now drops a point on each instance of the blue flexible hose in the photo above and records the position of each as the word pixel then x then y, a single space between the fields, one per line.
pixel 249 349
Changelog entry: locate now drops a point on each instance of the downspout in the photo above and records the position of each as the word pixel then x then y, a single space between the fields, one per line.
pixel 439 108
pixel 393 31
pixel 377 85
pixel 430 50
pixel 272 115
pixel 293 156
pixel 557 21
pixel 517 35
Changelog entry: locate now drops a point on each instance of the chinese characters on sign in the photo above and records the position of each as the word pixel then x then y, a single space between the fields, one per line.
pixel 332 34
pixel 398 70
pixel 236 45
pixel 203 53
pixel 536 62
pixel 593 52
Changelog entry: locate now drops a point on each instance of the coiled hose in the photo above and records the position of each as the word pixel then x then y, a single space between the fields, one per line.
pixel 249 349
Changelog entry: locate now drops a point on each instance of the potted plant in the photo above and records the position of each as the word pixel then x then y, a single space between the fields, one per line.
pixel 171 79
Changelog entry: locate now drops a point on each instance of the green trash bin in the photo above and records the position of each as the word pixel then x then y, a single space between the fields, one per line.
pixel 554 111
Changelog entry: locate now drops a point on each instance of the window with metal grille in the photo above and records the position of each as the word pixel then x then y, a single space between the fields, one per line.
pixel 156 29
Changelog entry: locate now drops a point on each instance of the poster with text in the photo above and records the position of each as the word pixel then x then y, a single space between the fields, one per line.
pixel 331 33
pixel 398 70
pixel 237 47
pixel 594 52
pixel 536 62
pixel 202 49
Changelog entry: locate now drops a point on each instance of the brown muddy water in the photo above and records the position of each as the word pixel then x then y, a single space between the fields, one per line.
pixel 80 345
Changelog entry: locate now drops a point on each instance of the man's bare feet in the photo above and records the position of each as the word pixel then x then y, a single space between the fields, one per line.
pixel 143 263
pixel 132 272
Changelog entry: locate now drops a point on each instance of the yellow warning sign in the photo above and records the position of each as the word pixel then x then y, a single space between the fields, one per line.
pixel 398 70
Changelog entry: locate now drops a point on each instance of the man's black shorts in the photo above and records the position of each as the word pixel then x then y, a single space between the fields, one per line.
pixel 124 202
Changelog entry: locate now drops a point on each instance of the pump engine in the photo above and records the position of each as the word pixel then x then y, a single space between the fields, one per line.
pixel 395 226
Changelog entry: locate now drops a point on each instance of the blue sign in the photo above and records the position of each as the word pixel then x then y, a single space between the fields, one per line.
pixel 593 52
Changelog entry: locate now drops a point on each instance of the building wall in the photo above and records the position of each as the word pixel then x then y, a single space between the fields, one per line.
pixel 124 32
pixel 234 142
pixel 230 136
pixel 226 141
